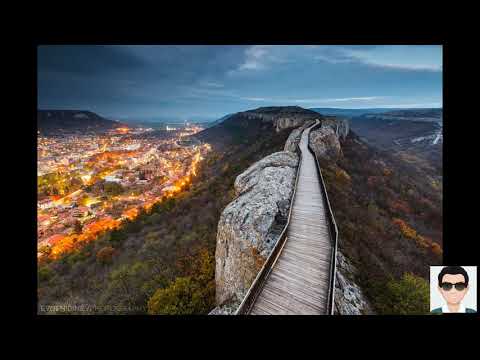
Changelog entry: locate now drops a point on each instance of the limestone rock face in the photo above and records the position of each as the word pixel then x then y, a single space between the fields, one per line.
pixel 282 117
pixel 349 297
pixel 325 141
pixel 295 135
pixel 250 225
pixel 340 126
pixel 289 122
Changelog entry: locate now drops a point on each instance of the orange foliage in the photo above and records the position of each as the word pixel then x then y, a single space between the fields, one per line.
pixel 65 245
pixel 387 172
pixel 437 250
pixel 406 230
pixel 52 240
pixel 130 213
pixel 342 175
pixel 423 241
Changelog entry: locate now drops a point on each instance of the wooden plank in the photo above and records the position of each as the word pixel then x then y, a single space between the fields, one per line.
pixel 299 280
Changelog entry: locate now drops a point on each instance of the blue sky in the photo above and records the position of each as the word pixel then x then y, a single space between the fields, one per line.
pixel 197 82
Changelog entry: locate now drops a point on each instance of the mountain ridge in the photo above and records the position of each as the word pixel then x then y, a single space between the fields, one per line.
pixel 52 121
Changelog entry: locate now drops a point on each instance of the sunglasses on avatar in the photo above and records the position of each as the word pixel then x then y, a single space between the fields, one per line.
pixel 458 286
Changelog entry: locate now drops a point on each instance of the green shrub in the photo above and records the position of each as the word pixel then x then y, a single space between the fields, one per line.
pixel 408 296
pixel 45 274
pixel 117 236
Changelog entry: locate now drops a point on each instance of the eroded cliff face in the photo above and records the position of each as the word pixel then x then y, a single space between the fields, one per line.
pixel 250 225
pixel 326 141
pixel 284 117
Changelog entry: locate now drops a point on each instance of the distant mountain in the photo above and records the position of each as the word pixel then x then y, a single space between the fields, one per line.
pixel 248 126
pixel 433 115
pixel 415 134
pixel 425 113
pixel 348 113
pixel 406 126
pixel 213 123
pixel 58 121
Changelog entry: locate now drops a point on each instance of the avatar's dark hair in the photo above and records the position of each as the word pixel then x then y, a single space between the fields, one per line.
pixel 452 270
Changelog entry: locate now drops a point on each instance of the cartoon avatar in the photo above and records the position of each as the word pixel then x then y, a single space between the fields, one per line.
pixel 453 285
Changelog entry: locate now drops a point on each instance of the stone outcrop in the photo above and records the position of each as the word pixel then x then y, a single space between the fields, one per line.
pixel 250 225
pixel 340 126
pixel 287 122
pixel 282 117
pixel 295 135
pixel 326 141
pixel 349 297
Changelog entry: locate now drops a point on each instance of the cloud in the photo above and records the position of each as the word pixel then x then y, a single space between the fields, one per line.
pixel 260 57
pixel 376 58
pixel 413 105
pixel 254 58
pixel 255 99
pixel 404 67
pixel 334 55
pixel 212 84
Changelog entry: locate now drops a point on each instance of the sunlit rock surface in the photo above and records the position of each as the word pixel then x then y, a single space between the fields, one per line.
pixel 250 225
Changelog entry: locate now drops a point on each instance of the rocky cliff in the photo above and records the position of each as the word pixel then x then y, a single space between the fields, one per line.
pixel 295 135
pixel 284 117
pixel 325 141
pixel 250 225
pixel 349 297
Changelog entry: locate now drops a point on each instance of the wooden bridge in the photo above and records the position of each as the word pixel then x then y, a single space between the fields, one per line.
pixel 299 274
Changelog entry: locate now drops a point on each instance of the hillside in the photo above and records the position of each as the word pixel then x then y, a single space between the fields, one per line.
pixel 388 210
pixel 53 121
pixel 389 215
pixel 163 261
pixel 416 136
pixel 433 113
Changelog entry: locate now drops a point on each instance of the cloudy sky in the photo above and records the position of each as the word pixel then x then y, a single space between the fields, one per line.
pixel 207 82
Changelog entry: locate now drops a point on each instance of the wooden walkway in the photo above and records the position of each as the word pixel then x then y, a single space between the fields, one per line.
pixel 299 281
